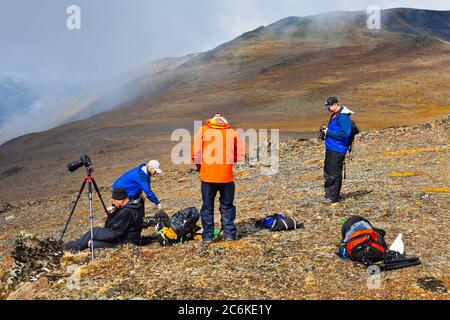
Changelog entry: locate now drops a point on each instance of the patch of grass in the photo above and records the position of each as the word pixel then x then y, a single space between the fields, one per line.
pixel 436 190
pixel 313 161
pixel 411 152
pixel 232 244
pixel 310 176
pixel 406 174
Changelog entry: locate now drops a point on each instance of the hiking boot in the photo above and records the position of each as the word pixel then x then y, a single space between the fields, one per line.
pixel 327 201
pixel 207 241
pixel 229 239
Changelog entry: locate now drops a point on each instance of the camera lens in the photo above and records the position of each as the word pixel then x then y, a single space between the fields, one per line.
pixel 84 161
pixel 74 166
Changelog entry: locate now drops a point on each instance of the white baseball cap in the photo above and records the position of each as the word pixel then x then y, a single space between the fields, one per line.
pixel 154 164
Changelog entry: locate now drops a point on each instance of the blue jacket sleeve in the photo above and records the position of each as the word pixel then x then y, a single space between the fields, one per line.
pixel 145 186
pixel 345 124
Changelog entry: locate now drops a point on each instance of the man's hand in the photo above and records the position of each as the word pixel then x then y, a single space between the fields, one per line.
pixel 160 206
pixel 110 210
pixel 325 131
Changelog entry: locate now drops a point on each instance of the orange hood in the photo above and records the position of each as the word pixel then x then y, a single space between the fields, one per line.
pixel 218 123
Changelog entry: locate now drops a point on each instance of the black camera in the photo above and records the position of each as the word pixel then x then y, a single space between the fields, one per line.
pixel 84 161
pixel 322 133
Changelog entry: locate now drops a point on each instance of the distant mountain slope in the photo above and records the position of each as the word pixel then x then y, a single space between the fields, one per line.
pixel 15 96
pixel 419 22
pixel 273 77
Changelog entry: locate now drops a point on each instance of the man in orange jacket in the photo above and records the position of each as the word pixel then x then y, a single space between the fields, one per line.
pixel 216 148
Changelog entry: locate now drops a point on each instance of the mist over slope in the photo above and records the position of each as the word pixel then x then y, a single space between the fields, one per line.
pixel 272 77
pixel 14 97
pixel 27 106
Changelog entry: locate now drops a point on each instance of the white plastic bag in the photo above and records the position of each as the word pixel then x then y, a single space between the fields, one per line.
pixel 398 245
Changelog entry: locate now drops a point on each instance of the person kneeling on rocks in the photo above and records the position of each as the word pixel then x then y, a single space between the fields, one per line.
pixel 123 225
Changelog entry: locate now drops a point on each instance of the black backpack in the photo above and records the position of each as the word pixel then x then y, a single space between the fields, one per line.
pixel 181 227
pixel 355 131
pixel 185 221
pixel 353 134
pixel 278 222
pixel 366 246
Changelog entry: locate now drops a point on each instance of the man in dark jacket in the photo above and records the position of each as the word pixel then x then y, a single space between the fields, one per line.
pixel 123 225
pixel 337 141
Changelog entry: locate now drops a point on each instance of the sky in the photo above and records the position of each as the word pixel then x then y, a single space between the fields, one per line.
pixel 117 35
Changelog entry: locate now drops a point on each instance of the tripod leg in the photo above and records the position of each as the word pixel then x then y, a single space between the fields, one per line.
pixel 73 209
pixel 98 193
pixel 91 218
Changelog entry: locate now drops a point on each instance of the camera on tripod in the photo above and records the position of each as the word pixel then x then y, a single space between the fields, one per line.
pixel 92 186
pixel 84 161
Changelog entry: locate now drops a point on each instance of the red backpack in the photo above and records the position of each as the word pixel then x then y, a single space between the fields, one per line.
pixel 366 246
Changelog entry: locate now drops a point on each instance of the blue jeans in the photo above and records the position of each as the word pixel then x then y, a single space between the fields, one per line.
pixel 227 209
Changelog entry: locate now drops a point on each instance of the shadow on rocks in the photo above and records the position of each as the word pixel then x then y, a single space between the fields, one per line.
pixel 246 228
pixel 356 194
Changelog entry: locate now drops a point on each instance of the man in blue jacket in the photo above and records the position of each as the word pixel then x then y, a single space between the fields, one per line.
pixel 337 141
pixel 138 180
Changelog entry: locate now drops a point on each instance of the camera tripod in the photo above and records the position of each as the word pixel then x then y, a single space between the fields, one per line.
pixel 90 181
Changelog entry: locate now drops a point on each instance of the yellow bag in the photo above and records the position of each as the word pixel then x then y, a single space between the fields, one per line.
pixel 169 233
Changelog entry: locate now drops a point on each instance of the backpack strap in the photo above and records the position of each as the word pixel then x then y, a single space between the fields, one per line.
pixel 274 223
pixel 285 224
pixel 276 219
pixel 295 223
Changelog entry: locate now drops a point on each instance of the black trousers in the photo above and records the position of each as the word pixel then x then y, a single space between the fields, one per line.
pixel 82 243
pixel 334 165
